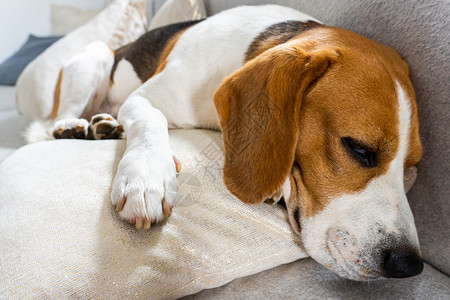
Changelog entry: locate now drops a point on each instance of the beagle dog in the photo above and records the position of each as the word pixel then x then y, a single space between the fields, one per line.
pixel 317 115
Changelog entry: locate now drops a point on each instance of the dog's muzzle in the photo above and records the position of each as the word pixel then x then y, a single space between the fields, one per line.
pixel 381 254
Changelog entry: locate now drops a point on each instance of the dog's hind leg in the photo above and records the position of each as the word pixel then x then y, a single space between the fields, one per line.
pixel 83 82
pixel 80 90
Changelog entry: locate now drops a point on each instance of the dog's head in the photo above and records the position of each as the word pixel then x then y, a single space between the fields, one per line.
pixel 330 120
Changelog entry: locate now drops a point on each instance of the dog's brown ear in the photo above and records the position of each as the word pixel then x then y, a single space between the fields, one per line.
pixel 258 109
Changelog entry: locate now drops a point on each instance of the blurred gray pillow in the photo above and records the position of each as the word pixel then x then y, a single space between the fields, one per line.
pixel 11 68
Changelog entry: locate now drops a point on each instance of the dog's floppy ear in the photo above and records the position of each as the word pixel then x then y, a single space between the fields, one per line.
pixel 258 109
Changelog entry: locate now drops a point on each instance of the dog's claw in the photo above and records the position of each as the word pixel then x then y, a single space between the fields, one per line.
pixel 177 163
pixel 121 203
pixel 147 224
pixel 166 209
pixel 139 223
pixel 139 200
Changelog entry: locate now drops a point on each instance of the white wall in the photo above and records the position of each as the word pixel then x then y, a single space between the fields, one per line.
pixel 18 18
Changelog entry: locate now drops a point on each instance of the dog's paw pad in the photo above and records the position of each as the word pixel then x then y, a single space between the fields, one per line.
pixel 103 126
pixel 70 129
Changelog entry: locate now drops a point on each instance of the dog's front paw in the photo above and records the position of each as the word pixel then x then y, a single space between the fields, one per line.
pixel 104 126
pixel 144 189
pixel 70 129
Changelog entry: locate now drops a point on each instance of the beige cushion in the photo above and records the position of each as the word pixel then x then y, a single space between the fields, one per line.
pixel 121 22
pixel 61 238
pixel 65 19
pixel 174 11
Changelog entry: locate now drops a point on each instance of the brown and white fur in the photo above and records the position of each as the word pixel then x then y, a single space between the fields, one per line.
pixel 316 114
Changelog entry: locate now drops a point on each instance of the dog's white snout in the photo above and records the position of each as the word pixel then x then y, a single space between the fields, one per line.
pixel 341 237
pixel 342 245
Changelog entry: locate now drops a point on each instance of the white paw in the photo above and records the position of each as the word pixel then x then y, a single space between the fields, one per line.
pixel 104 126
pixel 70 129
pixel 144 189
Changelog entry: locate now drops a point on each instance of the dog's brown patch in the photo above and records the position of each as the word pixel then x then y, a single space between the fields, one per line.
pixel 56 96
pixel 277 34
pixel 356 99
pixel 295 102
pixel 166 51
pixel 258 108
pixel 150 50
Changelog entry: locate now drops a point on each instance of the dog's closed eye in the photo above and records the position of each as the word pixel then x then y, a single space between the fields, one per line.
pixel 360 153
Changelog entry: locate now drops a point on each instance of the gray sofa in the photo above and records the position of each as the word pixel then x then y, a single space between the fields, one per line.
pixel 419 31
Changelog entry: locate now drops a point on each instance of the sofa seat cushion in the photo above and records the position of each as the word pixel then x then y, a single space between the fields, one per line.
pixel 306 279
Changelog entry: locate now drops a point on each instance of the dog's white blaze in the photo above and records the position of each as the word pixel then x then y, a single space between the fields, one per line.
pixel 396 170
pixel 381 205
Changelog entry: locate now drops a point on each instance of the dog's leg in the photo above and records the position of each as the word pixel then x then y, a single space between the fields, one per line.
pixel 81 89
pixel 144 188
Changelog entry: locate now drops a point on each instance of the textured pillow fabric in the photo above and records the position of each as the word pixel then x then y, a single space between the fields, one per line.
pixel 11 68
pixel 65 19
pixel 121 22
pixel 60 237
pixel 174 11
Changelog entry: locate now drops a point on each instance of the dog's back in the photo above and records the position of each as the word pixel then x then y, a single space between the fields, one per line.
pixel 205 53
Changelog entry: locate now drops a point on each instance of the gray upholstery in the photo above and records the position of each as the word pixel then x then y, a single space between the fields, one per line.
pixel 419 31
pixel 306 279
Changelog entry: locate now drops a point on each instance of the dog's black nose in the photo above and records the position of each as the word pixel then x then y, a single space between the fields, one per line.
pixel 401 265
